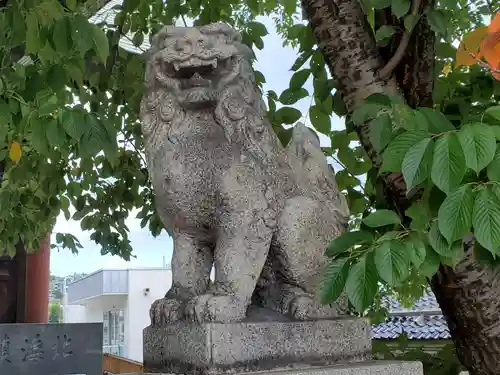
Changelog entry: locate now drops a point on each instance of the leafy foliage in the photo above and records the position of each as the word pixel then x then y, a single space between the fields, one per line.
pixel 450 165
pixel 448 153
pixel 435 362
pixel 70 140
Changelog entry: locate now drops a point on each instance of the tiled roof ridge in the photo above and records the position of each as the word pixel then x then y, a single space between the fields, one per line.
pixel 424 321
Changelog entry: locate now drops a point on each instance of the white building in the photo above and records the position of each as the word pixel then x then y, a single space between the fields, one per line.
pixel 120 299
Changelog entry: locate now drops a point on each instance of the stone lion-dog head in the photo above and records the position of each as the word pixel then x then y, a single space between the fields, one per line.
pixel 193 70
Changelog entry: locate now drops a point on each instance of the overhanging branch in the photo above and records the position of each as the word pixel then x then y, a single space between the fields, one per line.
pixel 387 70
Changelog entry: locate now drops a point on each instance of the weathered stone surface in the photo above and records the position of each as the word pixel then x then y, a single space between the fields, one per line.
pixel 227 190
pixel 364 368
pixel 212 348
pixel 51 349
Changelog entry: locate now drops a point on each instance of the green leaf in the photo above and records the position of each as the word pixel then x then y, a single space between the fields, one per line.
pixel 496 130
pixel 347 240
pixel 38 135
pixel 130 5
pixel 288 115
pixel 381 4
pixel 301 60
pixel 48 106
pixel 290 96
pixel 110 146
pixel 479 144
pixel 396 150
pixel 438 123
pixel 400 7
pixel 419 215
pixel 65 207
pixel 365 112
pixel 5 115
pixel 437 21
pixel 319 120
pixel 486 220
pixel 437 240
pixel 485 257
pixel 257 29
pixel 82 34
pixel 382 218
pixel 94 137
pixel 456 254
pixel 55 133
pixel 290 6
pixel 101 44
pixel 299 78
pixel 48 12
pixel 392 261
pixel 407 118
pixel 138 39
pixel 431 263
pixel 362 284
pixel 259 78
pixel 73 122
pixel 71 4
pixel 494 112
pixel 410 22
pixel 417 163
pixel 381 132
pixel 384 32
pixel 417 249
pixel 338 104
pixel 32 33
pixel 455 214
pixel 344 179
pixel 334 282
pixel 448 164
pixel 493 169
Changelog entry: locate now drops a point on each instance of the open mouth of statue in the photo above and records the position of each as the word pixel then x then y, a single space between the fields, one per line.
pixel 198 73
pixel 199 76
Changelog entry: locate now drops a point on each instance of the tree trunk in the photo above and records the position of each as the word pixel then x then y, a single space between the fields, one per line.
pixel 469 294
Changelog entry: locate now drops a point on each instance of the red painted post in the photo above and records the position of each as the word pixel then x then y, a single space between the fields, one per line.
pixel 38 284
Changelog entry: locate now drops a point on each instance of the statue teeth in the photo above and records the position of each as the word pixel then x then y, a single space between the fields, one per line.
pixel 177 66
pixel 214 64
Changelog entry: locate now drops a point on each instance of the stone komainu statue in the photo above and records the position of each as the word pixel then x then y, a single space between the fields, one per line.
pixel 228 192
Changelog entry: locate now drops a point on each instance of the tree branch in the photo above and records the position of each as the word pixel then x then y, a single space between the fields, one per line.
pixel 387 70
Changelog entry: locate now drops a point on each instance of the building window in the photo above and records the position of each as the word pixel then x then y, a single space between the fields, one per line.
pixel 114 332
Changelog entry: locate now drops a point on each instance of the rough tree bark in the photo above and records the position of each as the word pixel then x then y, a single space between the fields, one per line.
pixel 469 294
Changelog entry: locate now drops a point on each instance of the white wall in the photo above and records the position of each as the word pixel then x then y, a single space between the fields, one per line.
pixel 158 280
pixel 91 311
pixel 74 314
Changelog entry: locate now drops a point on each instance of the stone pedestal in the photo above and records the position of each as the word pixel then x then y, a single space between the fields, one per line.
pixel 364 368
pixel 218 348
pixel 324 347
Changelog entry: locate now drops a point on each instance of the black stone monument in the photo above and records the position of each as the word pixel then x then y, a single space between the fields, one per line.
pixel 51 349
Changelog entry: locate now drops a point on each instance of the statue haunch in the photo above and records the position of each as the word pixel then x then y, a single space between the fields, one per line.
pixel 231 196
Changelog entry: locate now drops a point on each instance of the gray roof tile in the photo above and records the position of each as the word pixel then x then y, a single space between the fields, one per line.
pixel 424 321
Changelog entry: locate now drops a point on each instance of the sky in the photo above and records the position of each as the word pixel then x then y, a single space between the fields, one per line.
pixel 274 61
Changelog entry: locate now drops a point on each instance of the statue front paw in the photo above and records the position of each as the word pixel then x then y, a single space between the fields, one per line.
pixel 215 308
pixel 166 311
pixel 305 307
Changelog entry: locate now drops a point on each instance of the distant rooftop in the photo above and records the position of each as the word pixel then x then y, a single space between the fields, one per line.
pixel 107 15
pixel 424 321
